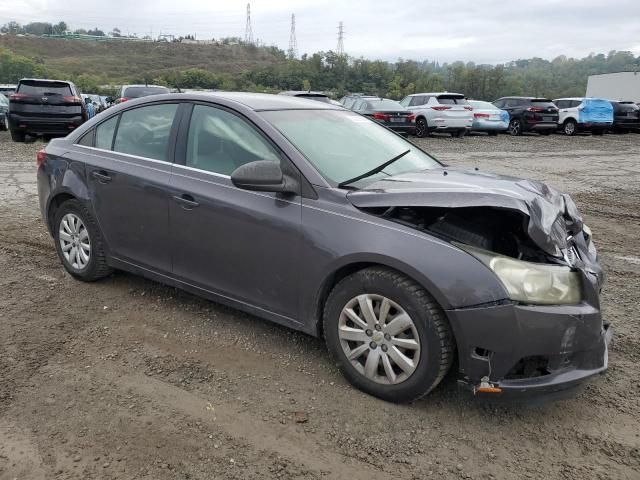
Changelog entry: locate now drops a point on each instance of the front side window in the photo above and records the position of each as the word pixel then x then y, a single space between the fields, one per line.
pixel 144 131
pixel 104 133
pixel 220 141
pixel 342 144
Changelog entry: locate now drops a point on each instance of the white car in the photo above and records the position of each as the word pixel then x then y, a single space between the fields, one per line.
pixel 580 114
pixel 440 112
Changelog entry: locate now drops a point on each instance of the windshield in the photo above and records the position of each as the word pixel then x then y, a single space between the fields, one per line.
pixel 135 92
pixel 384 104
pixel 342 144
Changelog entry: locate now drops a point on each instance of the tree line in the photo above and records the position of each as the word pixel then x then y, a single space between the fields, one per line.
pixel 341 74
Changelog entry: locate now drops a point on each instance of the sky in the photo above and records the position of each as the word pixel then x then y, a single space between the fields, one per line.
pixel 482 31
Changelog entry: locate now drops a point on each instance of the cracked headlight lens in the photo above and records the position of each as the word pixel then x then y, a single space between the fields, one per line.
pixel 532 283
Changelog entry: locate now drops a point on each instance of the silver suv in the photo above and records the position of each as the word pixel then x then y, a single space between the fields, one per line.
pixel 440 112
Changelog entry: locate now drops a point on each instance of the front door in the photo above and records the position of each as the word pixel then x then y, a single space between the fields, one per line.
pixel 236 243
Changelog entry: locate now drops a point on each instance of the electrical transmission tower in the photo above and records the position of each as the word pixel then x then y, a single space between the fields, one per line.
pixel 340 49
pixel 248 33
pixel 293 43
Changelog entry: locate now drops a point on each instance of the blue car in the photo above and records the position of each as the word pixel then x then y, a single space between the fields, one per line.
pixel 488 118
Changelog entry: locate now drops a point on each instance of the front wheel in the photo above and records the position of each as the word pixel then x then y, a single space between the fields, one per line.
pixel 388 335
pixel 79 242
pixel 4 124
pixel 515 127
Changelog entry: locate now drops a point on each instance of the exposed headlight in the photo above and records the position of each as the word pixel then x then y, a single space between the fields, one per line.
pixel 532 282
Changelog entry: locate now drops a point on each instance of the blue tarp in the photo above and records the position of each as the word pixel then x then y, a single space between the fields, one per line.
pixel 504 116
pixel 595 110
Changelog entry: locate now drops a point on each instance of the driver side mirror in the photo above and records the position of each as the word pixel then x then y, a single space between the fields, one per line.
pixel 264 176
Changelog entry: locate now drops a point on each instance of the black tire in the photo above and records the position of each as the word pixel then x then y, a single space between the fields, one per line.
pixel 434 333
pixel 17 136
pixel 422 129
pixel 545 133
pixel 570 127
pixel 96 268
pixel 492 133
pixel 598 133
pixel 4 123
pixel 460 133
pixel 515 127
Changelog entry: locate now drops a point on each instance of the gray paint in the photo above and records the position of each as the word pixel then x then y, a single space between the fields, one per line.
pixel 276 255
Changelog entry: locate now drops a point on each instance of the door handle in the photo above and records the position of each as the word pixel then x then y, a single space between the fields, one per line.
pixel 186 201
pixel 101 176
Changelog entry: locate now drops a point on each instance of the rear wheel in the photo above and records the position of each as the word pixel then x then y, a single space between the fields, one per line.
pixel 388 335
pixel 570 128
pixel 17 136
pixel 4 124
pixel 492 133
pixel 515 127
pixel 422 129
pixel 79 242
pixel 459 133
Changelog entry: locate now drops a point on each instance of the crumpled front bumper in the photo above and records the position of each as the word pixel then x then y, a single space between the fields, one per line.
pixel 528 351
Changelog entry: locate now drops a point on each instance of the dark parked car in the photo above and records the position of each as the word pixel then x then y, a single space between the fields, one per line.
pixel 348 100
pixel 626 117
pixel 529 114
pixel 387 112
pixel 129 92
pixel 309 95
pixel 322 220
pixel 45 107
pixel 4 110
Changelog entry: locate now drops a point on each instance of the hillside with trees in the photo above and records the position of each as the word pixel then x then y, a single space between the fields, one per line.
pixel 231 65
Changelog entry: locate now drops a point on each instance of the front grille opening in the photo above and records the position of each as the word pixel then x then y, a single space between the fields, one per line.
pixel 529 367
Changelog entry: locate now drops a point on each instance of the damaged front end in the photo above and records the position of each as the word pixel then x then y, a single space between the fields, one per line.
pixel 547 334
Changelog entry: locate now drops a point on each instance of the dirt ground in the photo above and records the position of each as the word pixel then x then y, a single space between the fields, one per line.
pixel 126 378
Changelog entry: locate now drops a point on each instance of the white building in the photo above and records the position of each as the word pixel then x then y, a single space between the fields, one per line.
pixel 622 86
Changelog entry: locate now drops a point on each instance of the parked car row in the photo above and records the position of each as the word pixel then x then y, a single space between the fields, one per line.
pixel 453 113
pixel 56 107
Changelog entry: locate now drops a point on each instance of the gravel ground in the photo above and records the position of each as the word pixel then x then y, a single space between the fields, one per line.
pixel 126 378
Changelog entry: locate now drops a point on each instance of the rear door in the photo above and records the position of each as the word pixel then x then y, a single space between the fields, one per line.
pixel 42 100
pixel 239 244
pixel 128 171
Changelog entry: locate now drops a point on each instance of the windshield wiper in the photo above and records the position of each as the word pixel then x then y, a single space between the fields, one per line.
pixel 378 169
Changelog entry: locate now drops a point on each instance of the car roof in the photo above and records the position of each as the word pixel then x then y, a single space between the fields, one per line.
pixel 303 92
pixel 141 85
pixel 437 93
pixel 45 80
pixel 254 101
pixel 570 98
pixel 515 97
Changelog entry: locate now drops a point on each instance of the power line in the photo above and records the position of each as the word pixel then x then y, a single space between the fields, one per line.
pixel 248 32
pixel 293 43
pixel 340 49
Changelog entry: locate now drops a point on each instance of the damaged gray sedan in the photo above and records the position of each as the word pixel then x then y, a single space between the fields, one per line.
pixel 319 219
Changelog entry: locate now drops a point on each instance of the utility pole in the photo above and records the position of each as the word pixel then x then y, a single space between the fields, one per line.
pixel 293 43
pixel 248 33
pixel 340 49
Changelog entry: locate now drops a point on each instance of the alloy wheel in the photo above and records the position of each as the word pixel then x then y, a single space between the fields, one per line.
pixel 74 241
pixel 569 128
pixel 379 338
pixel 421 128
pixel 514 127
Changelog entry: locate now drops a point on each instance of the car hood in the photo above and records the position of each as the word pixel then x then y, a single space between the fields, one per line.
pixel 553 216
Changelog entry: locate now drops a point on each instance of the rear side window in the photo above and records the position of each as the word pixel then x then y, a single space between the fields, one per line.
pixel 417 101
pixel 87 139
pixel 104 133
pixel 144 131
pixel 34 87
